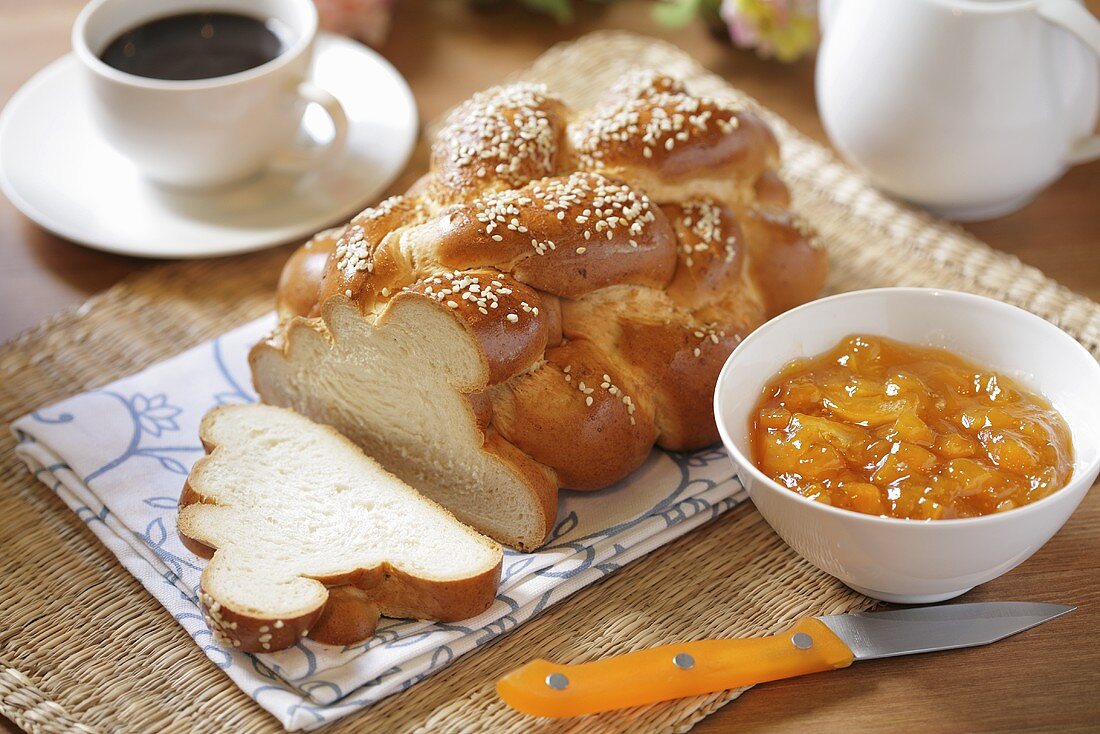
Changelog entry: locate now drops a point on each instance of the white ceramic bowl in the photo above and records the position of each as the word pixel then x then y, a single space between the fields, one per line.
pixel 912 561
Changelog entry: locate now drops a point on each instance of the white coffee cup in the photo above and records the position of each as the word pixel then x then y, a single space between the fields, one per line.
pixel 207 132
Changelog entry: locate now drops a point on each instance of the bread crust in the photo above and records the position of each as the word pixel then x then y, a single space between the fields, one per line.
pixel 577 414
pixel 349 608
pixel 786 259
pixel 651 131
pixel 711 253
pixel 508 319
pixel 640 239
pixel 498 139
pixel 770 189
pixel 672 357
pixel 366 266
pixel 574 253
pixel 680 363
pixel 298 293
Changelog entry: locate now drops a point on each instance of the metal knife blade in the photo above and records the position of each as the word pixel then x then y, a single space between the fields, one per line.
pixel 887 634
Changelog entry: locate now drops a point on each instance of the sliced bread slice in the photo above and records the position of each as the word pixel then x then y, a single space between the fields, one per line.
pixel 307 535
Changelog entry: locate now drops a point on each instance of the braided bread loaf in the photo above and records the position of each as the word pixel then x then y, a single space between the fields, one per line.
pixel 556 296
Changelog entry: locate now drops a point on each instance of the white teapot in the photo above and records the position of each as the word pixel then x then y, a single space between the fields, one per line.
pixel 966 107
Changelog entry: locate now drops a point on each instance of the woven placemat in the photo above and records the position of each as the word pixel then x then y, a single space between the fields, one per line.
pixel 84 648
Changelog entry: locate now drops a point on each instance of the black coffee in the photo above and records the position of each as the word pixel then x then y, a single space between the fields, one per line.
pixel 195 46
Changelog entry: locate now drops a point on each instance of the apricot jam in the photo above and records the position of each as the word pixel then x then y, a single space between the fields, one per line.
pixel 892 429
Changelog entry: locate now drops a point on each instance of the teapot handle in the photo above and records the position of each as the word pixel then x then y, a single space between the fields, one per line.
pixel 1076 19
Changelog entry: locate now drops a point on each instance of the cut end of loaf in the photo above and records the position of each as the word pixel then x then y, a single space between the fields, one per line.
pixel 389 382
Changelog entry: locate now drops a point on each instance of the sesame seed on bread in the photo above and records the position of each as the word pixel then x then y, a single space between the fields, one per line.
pixel 552 299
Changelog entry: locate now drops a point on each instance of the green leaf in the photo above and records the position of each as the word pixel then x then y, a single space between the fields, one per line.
pixel 559 10
pixel 676 13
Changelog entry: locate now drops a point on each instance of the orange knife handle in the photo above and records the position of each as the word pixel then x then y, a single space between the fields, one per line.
pixel 663 673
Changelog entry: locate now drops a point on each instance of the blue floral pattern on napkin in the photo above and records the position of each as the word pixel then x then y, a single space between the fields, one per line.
pixel 118 456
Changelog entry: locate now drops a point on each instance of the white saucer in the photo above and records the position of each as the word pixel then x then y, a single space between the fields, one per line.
pixel 58 171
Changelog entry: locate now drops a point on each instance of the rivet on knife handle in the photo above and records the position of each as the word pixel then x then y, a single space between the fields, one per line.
pixel 542 688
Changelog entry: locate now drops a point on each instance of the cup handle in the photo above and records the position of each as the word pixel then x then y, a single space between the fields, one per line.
pixel 300 158
pixel 1076 19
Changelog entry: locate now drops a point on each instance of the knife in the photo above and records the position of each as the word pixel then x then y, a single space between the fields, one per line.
pixel 812 645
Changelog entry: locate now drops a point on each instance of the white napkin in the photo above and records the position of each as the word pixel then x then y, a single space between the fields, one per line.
pixel 118 457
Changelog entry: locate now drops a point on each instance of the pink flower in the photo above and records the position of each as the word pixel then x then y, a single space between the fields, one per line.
pixel 784 29
pixel 366 20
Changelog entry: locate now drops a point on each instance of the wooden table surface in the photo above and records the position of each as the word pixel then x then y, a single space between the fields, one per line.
pixel 1046 679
